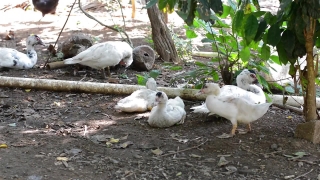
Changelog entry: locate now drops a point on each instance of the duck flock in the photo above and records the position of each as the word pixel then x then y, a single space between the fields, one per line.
pixel 243 103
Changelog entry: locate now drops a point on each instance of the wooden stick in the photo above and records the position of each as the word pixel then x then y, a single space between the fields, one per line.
pixel 185 149
pixel 291 108
pixel 56 65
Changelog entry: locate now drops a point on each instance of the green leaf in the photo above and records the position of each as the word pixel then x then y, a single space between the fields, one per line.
pixel 282 53
pixel 275 59
pixel 237 21
pixel 162 4
pixel 141 79
pixel 265 52
pixel 274 35
pixel 175 68
pixel 215 75
pixel 200 64
pixel 263 82
pixel 151 3
pixel 154 73
pixel 245 54
pixel 251 28
pixel 271 19
pixel 261 29
pixel 288 41
pixel 191 34
pixel 226 11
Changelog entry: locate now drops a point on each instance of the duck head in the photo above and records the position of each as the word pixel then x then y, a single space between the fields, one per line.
pixel 34 40
pixel 161 98
pixel 247 77
pixel 210 89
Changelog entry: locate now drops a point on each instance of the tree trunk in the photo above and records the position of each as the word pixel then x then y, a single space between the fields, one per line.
pixel 310 96
pixel 161 36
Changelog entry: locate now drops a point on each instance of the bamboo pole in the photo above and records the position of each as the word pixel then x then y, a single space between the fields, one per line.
pixel 91 87
pixel 120 89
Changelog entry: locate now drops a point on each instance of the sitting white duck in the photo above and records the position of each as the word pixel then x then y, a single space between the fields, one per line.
pixel 168 112
pixel 236 109
pixel 140 100
pixel 245 88
pixel 102 55
pixel 11 58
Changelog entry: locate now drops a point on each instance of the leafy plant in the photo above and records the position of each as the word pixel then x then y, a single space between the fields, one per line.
pixel 142 79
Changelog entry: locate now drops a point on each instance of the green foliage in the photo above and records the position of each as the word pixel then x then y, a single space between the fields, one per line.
pixel 142 79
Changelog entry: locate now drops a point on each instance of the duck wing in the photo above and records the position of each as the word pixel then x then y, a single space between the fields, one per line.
pixel 12 58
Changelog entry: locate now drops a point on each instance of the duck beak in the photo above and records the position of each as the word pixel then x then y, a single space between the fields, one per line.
pixel 41 43
pixel 199 92
pixel 122 63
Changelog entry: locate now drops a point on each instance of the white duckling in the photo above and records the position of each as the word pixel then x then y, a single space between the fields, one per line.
pixel 235 109
pixel 140 100
pixel 166 113
pixel 245 88
pixel 11 58
pixel 102 55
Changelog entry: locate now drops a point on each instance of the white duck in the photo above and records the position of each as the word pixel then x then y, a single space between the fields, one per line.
pixel 102 55
pixel 168 112
pixel 235 109
pixel 11 58
pixel 139 101
pixel 245 88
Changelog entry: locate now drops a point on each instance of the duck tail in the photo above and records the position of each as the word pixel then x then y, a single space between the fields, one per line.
pixel 68 61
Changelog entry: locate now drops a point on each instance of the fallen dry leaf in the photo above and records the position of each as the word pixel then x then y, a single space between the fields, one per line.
pixel 157 152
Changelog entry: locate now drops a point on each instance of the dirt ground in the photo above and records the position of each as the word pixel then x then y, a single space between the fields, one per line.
pixel 69 135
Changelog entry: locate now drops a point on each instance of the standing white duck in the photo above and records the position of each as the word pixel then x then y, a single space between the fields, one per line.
pixel 102 55
pixel 140 100
pixel 245 88
pixel 11 58
pixel 168 112
pixel 235 109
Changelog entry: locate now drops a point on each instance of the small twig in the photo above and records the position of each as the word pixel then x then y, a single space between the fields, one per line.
pixel 110 27
pixel 185 149
pixel 60 33
pixel 303 174
pixel 124 22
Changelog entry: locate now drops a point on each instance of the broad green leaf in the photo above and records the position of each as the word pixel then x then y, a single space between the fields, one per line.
pixel 141 79
pixel 191 34
pixel 200 64
pixel 263 82
pixel 162 4
pixel 226 11
pixel 151 3
pixel 261 29
pixel 276 85
pixel 265 52
pixel 275 59
pixel 175 68
pixel 215 75
pixel 271 19
pixel 274 35
pixel 154 73
pixel 259 13
pixel 237 21
pixel 245 54
pixel 288 41
pixel 251 28
pixel 282 53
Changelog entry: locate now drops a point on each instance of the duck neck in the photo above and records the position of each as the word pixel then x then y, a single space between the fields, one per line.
pixel 162 105
pixel 32 55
